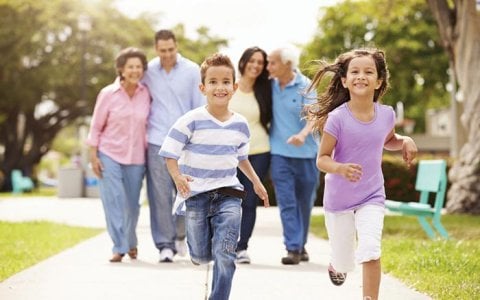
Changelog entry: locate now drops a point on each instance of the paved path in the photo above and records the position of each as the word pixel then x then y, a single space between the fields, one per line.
pixel 83 272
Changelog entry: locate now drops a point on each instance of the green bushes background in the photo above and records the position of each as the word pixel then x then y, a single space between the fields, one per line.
pixel 399 181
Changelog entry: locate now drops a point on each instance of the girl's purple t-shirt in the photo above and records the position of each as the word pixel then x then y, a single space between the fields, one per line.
pixel 361 143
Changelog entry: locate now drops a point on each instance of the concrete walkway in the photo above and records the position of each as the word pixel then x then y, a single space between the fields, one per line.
pixel 83 272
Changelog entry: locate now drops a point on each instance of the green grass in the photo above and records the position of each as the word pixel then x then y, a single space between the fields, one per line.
pixel 37 192
pixel 443 269
pixel 25 244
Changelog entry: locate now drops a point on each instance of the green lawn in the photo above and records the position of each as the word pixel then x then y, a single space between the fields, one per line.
pixel 442 269
pixel 25 244
pixel 37 192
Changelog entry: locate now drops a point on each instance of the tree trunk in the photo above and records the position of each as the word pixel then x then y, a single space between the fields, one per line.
pixel 28 139
pixel 460 31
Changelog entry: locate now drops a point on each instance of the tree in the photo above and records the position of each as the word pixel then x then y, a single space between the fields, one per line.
pixel 41 62
pixel 459 26
pixel 42 67
pixel 406 31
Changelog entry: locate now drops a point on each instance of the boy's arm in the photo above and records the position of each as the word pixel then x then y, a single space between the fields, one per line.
pixel 258 187
pixel 395 142
pixel 181 181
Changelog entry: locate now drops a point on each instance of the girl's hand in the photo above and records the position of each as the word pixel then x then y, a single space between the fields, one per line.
pixel 409 150
pixel 351 172
pixel 182 184
pixel 261 193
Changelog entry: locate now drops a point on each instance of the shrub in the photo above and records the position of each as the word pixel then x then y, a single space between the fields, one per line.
pixel 399 181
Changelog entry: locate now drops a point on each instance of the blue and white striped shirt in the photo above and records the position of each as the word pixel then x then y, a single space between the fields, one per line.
pixel 207 150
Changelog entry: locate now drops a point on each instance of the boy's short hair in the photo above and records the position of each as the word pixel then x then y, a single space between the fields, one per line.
pixel 216 60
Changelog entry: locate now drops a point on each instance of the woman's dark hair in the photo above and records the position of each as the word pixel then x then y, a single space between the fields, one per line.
pixel 262 88
pixel 127 53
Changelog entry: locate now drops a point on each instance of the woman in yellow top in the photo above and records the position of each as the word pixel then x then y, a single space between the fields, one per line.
pixel 253 100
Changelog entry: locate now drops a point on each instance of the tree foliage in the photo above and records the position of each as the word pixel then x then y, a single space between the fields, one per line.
pixel 406 30
pixel 48 62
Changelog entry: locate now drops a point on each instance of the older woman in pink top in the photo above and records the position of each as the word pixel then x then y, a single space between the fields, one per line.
pixel 117 141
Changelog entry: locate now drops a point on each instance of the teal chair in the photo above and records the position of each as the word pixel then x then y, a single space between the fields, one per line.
pixel 431 178
pixel 20 183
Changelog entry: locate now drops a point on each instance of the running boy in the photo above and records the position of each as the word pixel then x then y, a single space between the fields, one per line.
pixel 202 152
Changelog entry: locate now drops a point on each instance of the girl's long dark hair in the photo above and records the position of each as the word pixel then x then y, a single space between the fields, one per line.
pixel 335 94
pixel 262 88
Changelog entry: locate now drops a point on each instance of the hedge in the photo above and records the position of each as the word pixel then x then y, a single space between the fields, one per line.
pixel 399 181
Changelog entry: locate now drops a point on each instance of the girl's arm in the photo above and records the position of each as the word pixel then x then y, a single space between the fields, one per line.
pixel 350 171
pixel 181 181
pixel 395 142
pixel 246 167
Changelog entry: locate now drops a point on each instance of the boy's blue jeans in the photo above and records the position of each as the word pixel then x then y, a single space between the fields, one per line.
pixel 213 225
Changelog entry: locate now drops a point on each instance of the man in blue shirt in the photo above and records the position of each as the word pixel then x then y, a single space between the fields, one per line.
pixel 293 152
pixel 173 82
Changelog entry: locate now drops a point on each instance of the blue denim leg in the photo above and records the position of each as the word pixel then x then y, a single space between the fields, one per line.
pixel 294 180
pixel 114 198
pixel 213 224
pixel 161 195
pixel 180 232
pixel 307 177
pixel 261 164
pixel 132 180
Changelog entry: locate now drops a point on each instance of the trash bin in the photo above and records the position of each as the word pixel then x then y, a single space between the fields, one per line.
pixel 91 185
pixel 70 183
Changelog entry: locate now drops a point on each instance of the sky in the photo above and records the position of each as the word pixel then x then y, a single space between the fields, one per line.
pixel 268 24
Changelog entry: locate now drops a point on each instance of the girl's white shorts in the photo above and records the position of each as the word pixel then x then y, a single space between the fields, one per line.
pixel 365 225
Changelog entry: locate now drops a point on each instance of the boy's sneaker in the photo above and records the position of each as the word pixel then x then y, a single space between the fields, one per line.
pixel 304 256
pixel 242 257
pixel 181 247
pixel 166 255
pixel 336 278
pixel 292 258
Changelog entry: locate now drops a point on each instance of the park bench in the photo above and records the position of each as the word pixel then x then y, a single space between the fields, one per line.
pixel 20 183
pixel 431 178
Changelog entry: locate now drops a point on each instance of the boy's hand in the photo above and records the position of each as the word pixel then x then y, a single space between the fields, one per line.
pixel 261 193
pixel 182 184
pixel 351 172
